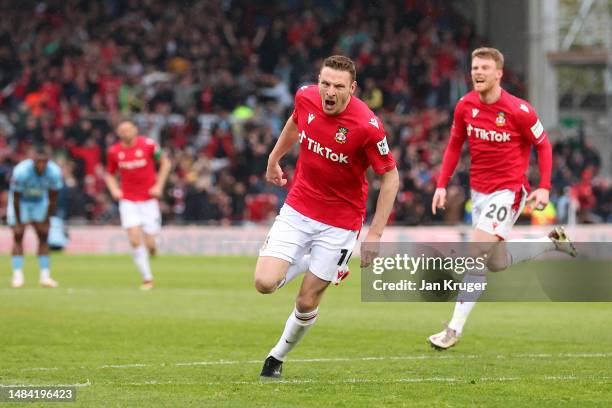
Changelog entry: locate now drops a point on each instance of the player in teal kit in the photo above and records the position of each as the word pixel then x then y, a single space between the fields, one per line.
pixel 32 200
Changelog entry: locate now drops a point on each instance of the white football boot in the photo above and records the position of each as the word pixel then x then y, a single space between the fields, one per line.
pixel 446 339
pixel 562 242
pixel 49 283
pixel 147 285
pixel 17 281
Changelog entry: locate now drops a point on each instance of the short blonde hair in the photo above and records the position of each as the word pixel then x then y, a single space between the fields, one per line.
pixel 490 53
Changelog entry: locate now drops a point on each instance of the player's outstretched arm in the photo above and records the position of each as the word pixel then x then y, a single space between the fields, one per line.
pixel 386 197
pixel 113 187
pixel 287 138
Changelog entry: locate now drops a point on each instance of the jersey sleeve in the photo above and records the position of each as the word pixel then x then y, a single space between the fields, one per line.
pixel 532 129
pixel 55 178
pixel 529 124
pixel 18 179
pixel 297 102
pixel 154 149
pixel 377 148
pixel 453 150
pixel 111 162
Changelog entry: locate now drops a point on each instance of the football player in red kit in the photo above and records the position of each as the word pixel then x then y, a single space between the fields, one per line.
pixel 135 157
pixel 339 139
pixel 500 129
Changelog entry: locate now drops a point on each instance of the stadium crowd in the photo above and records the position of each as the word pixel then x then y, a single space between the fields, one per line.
pixel 213 83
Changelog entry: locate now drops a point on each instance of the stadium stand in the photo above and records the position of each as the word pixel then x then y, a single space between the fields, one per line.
pixel 214 85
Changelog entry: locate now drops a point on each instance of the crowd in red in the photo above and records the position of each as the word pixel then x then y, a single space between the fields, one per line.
pixel 212 82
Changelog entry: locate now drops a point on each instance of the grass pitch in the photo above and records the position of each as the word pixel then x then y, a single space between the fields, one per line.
pixel 200 337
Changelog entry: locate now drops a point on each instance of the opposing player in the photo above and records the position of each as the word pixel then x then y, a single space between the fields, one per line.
pixel 135 158
pixel 500 129
pixel 32 200
pixel 318 226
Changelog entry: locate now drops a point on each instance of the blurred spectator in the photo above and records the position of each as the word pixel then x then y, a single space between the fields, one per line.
pixel 213 82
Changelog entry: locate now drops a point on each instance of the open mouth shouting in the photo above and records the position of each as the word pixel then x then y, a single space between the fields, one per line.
pixel 329 104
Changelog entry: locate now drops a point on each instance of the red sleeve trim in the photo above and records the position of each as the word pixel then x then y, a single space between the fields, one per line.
pixel 385 169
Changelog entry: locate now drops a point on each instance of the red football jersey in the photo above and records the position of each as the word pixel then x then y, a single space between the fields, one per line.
pixel 136 166
pixel 330 184
pixel 500 136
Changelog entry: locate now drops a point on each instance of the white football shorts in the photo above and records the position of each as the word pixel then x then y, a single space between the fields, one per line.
pixel 292 235
pixel 143 214
pixel 497 212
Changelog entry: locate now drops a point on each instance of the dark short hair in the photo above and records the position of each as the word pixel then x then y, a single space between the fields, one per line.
pixel 490 53
pixel 41 150
pixel 341 63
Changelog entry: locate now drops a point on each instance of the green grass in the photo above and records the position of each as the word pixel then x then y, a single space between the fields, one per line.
pixel 204 310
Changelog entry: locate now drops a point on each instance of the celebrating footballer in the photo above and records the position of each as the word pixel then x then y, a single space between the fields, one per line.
pixel 339 139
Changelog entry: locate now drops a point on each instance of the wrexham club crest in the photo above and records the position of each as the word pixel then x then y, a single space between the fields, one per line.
pixel 501 119
pixel 341 135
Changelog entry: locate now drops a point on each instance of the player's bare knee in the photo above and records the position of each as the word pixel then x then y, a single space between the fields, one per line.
pixel 269 273
pixel 18 237
pixel 306 303
pixel 135 239
pixel 151 248
pixel 265 285
pixel 495 265
pixel 42 235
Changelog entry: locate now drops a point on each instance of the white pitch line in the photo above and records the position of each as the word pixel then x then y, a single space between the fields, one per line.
pixel 220 362
pixel 375 381
pixel 432 356
pixel 40 369
pixel 85 384
pixel 135 365
pixel 585 355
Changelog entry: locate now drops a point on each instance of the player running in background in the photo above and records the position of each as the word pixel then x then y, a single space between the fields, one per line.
pixel 500 129
pixel 32 200
pixel 134 157
pixel 318 226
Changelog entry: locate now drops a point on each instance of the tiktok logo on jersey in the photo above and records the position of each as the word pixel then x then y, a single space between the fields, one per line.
pixel 488 135
pixel 321 150
pixel 134 164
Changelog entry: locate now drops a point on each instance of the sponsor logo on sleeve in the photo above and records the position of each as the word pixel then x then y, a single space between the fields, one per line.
pixel 374 123
pixel 537 129
pixel 383 147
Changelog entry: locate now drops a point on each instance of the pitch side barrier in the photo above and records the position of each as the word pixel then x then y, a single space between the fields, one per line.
pixel 246 240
